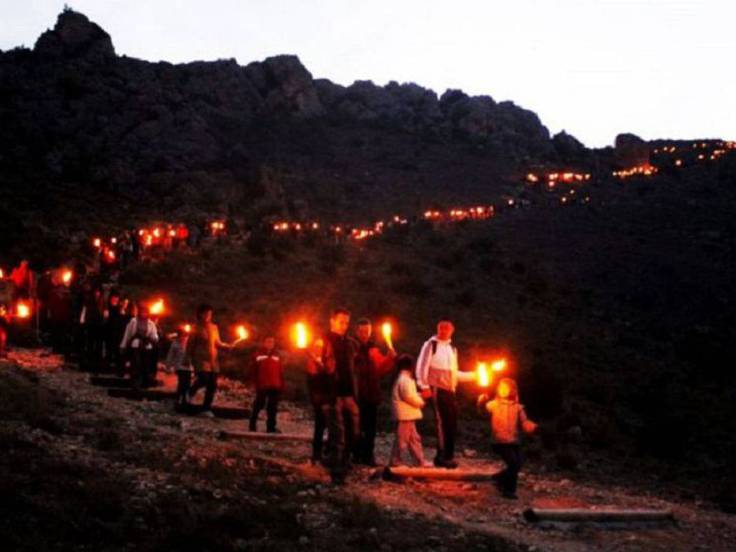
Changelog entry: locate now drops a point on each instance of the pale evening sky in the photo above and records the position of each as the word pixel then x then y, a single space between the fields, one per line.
pixel 658 68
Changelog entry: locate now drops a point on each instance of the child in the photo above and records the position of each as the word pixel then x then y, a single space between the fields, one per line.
pixel 406 409
pixel 269 380
pixel 177 360
pixel 508 419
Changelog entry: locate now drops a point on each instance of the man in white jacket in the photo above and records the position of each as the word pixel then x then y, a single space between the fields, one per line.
pixel 437 377
pixel 140 339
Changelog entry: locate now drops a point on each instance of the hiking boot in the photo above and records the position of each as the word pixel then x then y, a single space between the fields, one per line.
pixel 445 463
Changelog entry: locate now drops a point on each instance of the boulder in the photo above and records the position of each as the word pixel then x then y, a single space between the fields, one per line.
pixel 630 150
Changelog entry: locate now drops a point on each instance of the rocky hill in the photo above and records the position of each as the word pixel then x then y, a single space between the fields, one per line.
pixel 236 138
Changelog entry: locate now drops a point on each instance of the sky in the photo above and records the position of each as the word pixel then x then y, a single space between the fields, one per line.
pixel 595 68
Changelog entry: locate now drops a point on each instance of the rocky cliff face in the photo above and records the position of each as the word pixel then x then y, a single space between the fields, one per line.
pixel 74 111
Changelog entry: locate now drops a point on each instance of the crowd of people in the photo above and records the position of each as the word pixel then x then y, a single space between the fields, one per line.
pixel 346 374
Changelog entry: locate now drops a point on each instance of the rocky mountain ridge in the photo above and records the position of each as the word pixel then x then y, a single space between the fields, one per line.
pixel 75 111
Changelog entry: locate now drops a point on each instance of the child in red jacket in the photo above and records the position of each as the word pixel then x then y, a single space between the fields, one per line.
pixel 508 421
pixel 269 382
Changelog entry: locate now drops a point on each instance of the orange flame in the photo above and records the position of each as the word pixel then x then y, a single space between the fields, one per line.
pixel 301 335
pixel 387 331
pixel 499 365
pixel 242 332
pixel 483 377
pixel 157 307
pixel 22 310
pixel 66 276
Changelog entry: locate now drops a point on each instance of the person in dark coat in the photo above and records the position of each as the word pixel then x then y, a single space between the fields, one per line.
pixel 92 320
pixel 321 388
pixel 370 366
pixel 60 310
pixel 339 358
pixel 114 328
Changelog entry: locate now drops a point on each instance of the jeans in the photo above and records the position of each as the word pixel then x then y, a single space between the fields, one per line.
pixel 511 455
pixel 322 413
pixel 208 380
pixel 445 411
pixel 270 399
pixel 140 362
pixel 407 438
pixel 344 438
pixel 368 423
pixel 184 382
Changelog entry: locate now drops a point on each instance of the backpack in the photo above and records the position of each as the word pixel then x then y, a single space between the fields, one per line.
pixel 434 348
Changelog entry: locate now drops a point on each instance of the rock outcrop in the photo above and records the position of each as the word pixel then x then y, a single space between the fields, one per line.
pixel 75 35
pixel 630 150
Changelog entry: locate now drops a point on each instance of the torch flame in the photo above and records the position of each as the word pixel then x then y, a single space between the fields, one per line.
pixel 187 328
pixel 23 310
pixel 301 335
pixel 157 307
pixel 66 276
pixel 387 331
pixel 97 242
pixel 242 332
pixel 484 379
pixel 499 365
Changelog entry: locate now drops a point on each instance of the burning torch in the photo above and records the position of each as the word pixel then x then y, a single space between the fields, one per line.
pixel 482 376
pixel 301 335
pixel 387 330
pixel 157 308
pixel 242 332
pixel 22 310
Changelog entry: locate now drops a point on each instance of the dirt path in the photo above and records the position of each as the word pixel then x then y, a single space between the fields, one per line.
pixel 468 508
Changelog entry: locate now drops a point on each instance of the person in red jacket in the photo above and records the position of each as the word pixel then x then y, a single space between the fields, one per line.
pixel 269 382
pixel 371 365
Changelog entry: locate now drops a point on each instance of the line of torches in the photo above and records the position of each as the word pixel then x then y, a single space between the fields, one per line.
pixel 155 235
pixel 300 332
pixel 717 150
pixel 477 212
pixel 554 178
pixel 302 337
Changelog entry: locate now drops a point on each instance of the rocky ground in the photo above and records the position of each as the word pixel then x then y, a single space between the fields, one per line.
pixel 110 474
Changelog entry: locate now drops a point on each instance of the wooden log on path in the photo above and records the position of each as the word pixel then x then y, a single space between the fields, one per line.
pixel 231 412
pixel 258 436
pixel 141 394
pixel 398 473
pixel 604 515
pixel 219 411
pixel 118 382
